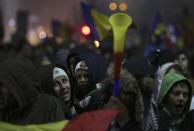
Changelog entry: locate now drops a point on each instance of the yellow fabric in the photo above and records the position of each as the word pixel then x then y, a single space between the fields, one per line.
pixel 56 126
pixel 102 24
pixel 160 29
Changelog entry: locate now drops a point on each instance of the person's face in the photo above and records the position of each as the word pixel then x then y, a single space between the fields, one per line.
pixel 183 61
pixel 62 88
pixel 178 98
pixel 82 78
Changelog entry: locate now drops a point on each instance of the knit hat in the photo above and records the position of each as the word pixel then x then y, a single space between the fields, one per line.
pixel 59 72
pixel 81 66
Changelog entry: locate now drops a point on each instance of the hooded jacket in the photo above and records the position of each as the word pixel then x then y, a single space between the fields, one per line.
pixel 161 72
pixel 169 80
pixel 29 105
pixel 151 117
pixel 46 74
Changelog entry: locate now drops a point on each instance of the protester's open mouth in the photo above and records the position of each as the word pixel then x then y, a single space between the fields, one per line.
pixel 65 97
pixel 179 108
pixel 65 93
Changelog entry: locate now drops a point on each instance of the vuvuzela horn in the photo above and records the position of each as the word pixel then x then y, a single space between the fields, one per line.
pixel 120 23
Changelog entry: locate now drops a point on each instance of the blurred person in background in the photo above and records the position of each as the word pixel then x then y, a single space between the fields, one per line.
pixel 129 102
pixel 21 99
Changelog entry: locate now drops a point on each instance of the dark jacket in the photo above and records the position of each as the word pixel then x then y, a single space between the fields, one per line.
pixel 46 75
pixel 26 104
pixel 188 123
pixel 93 104
pixel 164 115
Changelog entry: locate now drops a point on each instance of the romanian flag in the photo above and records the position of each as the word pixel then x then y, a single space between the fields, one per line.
pixel 102 24
pixel 154 23
pixel 97 21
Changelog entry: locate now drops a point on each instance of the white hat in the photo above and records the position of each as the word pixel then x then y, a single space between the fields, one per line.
pixel 81 66
pixel 59 72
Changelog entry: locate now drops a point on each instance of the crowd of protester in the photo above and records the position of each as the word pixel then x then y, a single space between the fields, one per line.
pixel 51 83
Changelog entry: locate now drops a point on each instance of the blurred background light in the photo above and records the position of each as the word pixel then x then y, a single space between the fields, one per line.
pixel 85 30
pixel 112 6
pixel 123 6
pixel 97 44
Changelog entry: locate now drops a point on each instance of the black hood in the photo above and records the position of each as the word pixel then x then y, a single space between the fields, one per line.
pixel 19 76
